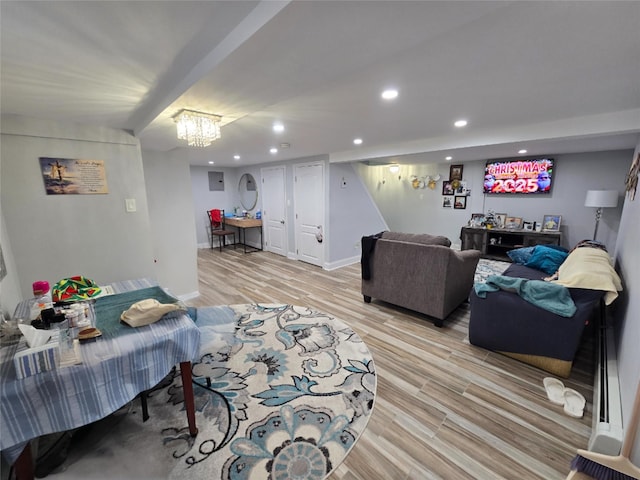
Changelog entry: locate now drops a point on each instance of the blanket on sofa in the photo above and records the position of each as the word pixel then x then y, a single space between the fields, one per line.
pixel 590 268
pixel 549 296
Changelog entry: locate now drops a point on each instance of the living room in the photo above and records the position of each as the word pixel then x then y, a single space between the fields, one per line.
pixel 56 236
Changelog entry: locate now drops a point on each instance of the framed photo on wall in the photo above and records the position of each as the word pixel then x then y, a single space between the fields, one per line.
pixel 455 172
pixel 551 223
pixel 447 188
pixel 459 202
pixel 447 202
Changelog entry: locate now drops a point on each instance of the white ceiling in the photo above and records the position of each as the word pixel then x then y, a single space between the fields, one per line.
pixel 551 77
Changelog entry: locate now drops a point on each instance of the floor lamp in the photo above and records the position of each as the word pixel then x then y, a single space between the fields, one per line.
pixel 601 199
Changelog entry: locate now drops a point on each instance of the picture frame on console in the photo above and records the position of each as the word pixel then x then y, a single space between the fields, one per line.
pixel 551 223
pixel 513 223
pixel 477 219
pixel 501 219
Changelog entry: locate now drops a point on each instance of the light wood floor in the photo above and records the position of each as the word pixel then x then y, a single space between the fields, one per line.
pixel 444 408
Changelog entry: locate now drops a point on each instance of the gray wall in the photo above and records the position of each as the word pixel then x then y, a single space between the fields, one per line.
pixel 227 200
pixel 205 200
pixel 352 214
pixel 173 225
pixel 627 307
pixel 420 210
pixel 57 236
pixel 10 293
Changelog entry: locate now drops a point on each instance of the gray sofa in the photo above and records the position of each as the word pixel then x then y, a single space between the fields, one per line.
pixel 417 271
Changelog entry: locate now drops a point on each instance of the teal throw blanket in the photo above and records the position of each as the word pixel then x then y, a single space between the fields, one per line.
pixel 549 296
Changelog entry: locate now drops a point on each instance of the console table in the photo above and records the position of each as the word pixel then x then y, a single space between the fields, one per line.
pixel 496 242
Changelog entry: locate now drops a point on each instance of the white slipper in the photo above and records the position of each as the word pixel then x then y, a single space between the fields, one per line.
pixel 555 390
pixel 574 403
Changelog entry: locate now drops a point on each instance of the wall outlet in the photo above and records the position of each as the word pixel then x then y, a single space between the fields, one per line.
pixel 130 205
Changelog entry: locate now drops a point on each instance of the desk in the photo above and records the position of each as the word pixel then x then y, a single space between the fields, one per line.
pixel 242 224
pixel 114 371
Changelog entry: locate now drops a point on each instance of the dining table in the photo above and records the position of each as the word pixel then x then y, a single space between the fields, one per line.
pixel 114 369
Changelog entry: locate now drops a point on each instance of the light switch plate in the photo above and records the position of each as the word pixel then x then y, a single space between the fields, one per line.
pixel 130 204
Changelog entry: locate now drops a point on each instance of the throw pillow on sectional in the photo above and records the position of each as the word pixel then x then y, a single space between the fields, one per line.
pixel 546 259
pixel 521 255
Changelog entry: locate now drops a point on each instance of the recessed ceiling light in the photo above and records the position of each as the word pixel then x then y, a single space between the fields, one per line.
pixel 460 123
pixel 522 151
pixel 448 158
pixel 236 157
pixel 210 163
pixel 278 127
pixel 389 94
pixel 357 141
pixel 274 150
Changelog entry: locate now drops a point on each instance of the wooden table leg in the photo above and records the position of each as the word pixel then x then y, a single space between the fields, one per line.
pixel 189 402
pixel 23 466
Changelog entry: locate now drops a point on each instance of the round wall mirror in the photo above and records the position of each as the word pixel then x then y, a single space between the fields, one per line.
pixel 248 191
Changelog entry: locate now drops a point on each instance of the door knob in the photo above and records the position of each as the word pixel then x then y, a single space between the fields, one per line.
pixel 282 222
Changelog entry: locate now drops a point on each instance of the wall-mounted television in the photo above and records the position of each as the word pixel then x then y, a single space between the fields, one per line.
pixel 534 176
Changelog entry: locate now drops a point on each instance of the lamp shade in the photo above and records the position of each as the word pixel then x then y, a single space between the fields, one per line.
pixel 601 198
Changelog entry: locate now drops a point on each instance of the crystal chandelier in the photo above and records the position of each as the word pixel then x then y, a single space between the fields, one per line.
pixel 197 128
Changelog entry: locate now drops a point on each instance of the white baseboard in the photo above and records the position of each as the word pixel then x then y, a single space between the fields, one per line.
pixel 341 263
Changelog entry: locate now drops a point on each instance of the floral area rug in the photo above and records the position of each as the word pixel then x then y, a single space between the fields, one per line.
pixel 488 267
pixel 283 392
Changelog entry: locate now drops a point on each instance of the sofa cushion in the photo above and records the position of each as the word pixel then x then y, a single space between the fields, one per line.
pixel 422 238
pixel 520 271
pixel 546 259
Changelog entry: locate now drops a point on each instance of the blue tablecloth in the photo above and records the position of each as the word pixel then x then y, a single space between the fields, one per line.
pixel 112 373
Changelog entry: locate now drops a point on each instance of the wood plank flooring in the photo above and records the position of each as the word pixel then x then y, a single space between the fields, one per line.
pixel 444 408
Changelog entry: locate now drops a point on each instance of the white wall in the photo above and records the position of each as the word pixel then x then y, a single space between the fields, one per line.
pixel 627 307
pixel 57 236
pixel 173 225
pixel 420 210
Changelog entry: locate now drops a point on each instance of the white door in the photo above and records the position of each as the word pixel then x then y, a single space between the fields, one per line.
pixel 274 210
pixel 308 197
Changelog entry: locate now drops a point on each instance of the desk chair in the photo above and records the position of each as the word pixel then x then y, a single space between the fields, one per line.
pixel 218 229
